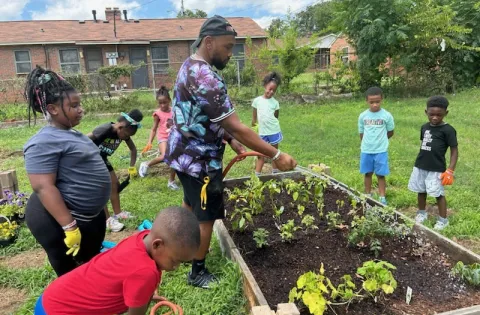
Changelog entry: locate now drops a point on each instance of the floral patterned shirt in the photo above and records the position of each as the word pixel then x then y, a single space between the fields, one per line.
pixel 200 102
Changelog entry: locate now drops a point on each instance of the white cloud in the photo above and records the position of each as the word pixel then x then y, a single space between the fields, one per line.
pixel 12 9
pixel 265 21
pixel 81 10
pixel 244 7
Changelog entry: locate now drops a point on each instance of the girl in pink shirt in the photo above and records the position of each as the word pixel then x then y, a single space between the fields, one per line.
pixel 162 122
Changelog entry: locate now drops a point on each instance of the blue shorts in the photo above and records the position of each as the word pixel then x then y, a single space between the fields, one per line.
pixel 374 163
pixel 273 139
pixel 39 307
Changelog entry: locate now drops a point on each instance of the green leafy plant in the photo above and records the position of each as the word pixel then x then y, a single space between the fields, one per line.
pixel 312 290
pixel 240 218
pixel 333 220
pixel 309 222
pixel 377 278
pixel 253 194
pixel 260 237
pixel 274 188
pixel 469 273
pixel 378 222
pixel 297 190
pixel 317 292
pixel 340 204
pixel 376 247
pixel 287 231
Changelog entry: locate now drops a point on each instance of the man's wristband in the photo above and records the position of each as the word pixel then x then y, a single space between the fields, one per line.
pixel 70 225
pixel 276 156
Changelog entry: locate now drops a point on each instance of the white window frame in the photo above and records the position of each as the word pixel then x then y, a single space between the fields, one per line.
pixel 69 63
pixel 160 61
pixel 17 62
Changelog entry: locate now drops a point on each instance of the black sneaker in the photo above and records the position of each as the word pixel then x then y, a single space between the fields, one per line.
pixel 203 279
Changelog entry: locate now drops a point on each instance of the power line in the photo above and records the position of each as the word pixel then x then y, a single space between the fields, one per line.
pixel 143 4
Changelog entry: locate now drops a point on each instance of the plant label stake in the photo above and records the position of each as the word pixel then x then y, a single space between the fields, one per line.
pixel 408 297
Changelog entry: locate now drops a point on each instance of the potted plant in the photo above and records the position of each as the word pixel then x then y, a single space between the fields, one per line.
pixel 13 205
pixel 8 231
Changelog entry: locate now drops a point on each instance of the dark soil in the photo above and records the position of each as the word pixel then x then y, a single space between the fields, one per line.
pixel 420 265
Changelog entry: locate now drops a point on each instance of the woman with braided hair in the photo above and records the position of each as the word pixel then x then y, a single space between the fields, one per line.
pixel 70 183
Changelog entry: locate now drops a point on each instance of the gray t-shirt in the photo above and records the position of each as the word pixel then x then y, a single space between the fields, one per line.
pixel 82 178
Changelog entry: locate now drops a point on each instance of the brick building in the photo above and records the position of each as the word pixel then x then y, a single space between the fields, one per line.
pixel 73 47
pixel 329 46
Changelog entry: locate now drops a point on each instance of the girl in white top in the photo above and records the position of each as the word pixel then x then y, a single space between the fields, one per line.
pixel 265 113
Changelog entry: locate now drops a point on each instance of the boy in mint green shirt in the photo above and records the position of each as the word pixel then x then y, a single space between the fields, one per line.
pixel 265 111
pixel 375 126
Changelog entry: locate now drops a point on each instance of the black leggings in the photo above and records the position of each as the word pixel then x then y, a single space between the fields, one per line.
pixel 51 235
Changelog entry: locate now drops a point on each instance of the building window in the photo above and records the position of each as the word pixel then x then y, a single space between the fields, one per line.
pixel 160 59
pixel 239 55
pixel 23 63
pixel 69 60
pixel 345 55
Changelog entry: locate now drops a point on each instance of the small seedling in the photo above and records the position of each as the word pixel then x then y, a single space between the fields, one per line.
pixel 260 236
pixel 340 204
pixel 287 231
pixel 308 221
pixel 376 247
pixel 333 220
pixel 469 273
pixel 240 218
pixel 301 209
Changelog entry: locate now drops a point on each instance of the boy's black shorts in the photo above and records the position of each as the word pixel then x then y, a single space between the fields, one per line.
pixel 192 187
pixel 107 163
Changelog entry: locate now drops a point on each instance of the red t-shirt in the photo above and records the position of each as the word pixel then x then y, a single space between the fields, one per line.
pixel 163 128
pixel 122 277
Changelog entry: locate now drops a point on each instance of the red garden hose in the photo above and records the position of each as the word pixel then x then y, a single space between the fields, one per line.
pixel 174 309
pixel 238 158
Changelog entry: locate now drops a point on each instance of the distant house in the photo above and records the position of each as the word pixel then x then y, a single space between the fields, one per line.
pixel 73 47
pixel 327 47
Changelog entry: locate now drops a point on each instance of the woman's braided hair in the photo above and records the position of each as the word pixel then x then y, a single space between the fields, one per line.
pixel 45 87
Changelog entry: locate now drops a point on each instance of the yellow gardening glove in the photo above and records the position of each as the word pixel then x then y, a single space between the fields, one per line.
pixel 147 148
pixel 132 171
pixel 72 240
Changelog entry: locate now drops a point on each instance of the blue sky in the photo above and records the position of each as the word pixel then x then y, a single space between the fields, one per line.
pixel 262 11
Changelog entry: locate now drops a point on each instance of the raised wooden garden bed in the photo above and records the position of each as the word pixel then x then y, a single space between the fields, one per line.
pixel 422 257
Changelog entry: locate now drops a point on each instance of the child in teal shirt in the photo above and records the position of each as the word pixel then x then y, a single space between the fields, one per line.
pixel 375 126
pixel 265 111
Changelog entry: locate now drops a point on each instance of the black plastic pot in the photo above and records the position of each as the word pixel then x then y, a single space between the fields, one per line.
pixel 8 241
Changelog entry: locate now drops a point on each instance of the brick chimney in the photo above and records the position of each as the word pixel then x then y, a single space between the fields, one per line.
pixel 109 14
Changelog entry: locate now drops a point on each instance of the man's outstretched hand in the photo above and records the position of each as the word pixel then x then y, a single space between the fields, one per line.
pixel 285 162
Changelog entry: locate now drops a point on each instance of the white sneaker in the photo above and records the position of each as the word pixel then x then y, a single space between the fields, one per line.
pixel 143 169
pixel 114 225
pixel 421 217
pixel 440 225
pixel 124 215
pixel 173 186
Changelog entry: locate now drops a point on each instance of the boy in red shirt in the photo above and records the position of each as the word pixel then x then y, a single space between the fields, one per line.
pixel 124 278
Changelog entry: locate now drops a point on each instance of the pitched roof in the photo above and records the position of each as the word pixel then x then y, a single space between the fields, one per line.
pixel 133 31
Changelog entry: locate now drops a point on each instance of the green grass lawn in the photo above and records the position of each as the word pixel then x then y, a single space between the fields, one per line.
pixel 312 133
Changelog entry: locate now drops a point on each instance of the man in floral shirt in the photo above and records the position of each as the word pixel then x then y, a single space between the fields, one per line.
pixel 203 118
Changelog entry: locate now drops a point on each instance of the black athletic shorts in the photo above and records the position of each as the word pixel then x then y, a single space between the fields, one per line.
pixel 192 187
pixel 107 163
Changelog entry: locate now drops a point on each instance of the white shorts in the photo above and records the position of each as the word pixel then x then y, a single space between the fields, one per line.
pixel 422 181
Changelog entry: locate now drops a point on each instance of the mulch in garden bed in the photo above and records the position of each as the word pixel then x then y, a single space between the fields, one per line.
pixel 420 266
